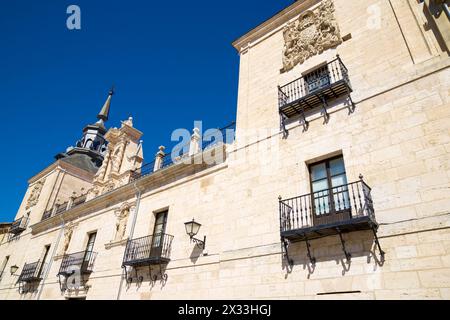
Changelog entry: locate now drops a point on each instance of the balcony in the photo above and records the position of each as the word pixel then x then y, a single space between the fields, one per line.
pixel 31 272
pixel 81 261
pixel 153 249
pixel 347 208
pixel 328 212
pixel 314 89
pixel 19 226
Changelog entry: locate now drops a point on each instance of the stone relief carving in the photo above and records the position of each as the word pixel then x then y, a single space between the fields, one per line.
pixel 68 231
pixel 122 219
pixel 312 33
pixel 35 194
pixel 109 187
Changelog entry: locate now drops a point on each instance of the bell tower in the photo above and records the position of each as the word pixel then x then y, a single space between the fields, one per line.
pixel 88 154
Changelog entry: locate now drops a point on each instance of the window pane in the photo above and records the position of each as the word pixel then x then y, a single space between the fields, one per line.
pixel 321 203
pixel 158 228
pixel 160 218
pixel 91 241
pixel 156 240
pixel 320 185
pixel 339 180
pixel 318 172
pixel 341 198
pixel 337 166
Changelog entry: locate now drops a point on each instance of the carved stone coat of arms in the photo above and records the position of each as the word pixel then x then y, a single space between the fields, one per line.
pixel 35 194
pixel 312 33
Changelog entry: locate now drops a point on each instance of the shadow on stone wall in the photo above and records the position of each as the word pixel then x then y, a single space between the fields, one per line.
pixel 323 250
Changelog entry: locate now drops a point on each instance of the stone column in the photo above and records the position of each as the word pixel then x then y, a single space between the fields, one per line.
pixel 194 146
pixel 100 176
pixel 159 159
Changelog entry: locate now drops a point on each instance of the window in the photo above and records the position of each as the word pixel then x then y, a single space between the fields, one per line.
pixel 44 258
pixel 329 190
pixel 159 230
pixel 317 79
pixel 90 247
pixel 3 267
pixel 91 242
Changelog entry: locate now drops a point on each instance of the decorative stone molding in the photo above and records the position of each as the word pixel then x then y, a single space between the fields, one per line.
pixel 311 34
pixel 68 232
pixel 35 194
pixel 194 146
pixel 109 187
pixel 121 223
pixel 159 159
pixel 124 151
pixel 113 244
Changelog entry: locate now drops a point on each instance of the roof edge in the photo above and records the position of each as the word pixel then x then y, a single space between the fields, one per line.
pixel 275 21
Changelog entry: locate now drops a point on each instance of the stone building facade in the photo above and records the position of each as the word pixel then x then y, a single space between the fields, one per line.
pixel 336 184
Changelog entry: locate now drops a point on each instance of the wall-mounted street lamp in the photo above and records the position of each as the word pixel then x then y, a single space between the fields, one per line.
pixel 13 269
pixel 192 228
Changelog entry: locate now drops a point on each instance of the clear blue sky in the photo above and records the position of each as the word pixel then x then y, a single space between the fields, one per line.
pixel 171 61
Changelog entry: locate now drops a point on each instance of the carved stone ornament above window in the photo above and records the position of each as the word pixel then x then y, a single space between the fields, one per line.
pixel 35 194
pixel 312 33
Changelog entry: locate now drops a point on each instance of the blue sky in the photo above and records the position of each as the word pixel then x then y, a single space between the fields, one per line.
pixel 171 61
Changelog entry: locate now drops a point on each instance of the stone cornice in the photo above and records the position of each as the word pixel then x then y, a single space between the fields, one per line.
pixel 69 168
pixel 276 21
pixel 156 180
pixel 134 133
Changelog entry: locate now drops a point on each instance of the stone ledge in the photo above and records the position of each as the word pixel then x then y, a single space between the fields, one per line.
pixel 113 244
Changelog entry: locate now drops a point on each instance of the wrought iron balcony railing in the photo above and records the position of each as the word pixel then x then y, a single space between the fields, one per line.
pixel 347 207
pixel 79 200
pixel 315 89
pixel 19 225
pixel 61 208
pixel 81 261
pixel 153 249
pixel 32 272
pixel 47 214
pixel 208 141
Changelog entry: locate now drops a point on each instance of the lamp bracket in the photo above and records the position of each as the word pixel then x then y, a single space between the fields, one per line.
pixel 199 243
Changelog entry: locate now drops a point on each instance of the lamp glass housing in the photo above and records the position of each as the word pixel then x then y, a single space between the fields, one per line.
pixel 192 228
pixel 13 269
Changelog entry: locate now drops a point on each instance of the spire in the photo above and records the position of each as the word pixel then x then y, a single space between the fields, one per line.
pixel 104 113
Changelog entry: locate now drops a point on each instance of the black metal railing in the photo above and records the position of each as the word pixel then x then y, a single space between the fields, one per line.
pixel 47 214
pixel 19 225
pixel 334 205
pixel 79 200
pixel 212 138
pixel 215 137
pixel 81 261
pixel 147 250
pixel 32 272
pixel 61 208
pixel 324 77
pixel 314 89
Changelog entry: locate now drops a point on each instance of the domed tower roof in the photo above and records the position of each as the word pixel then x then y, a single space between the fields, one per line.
pixel 89 151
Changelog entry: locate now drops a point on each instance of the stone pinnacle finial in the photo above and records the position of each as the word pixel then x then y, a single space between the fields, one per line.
pixel 104 113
